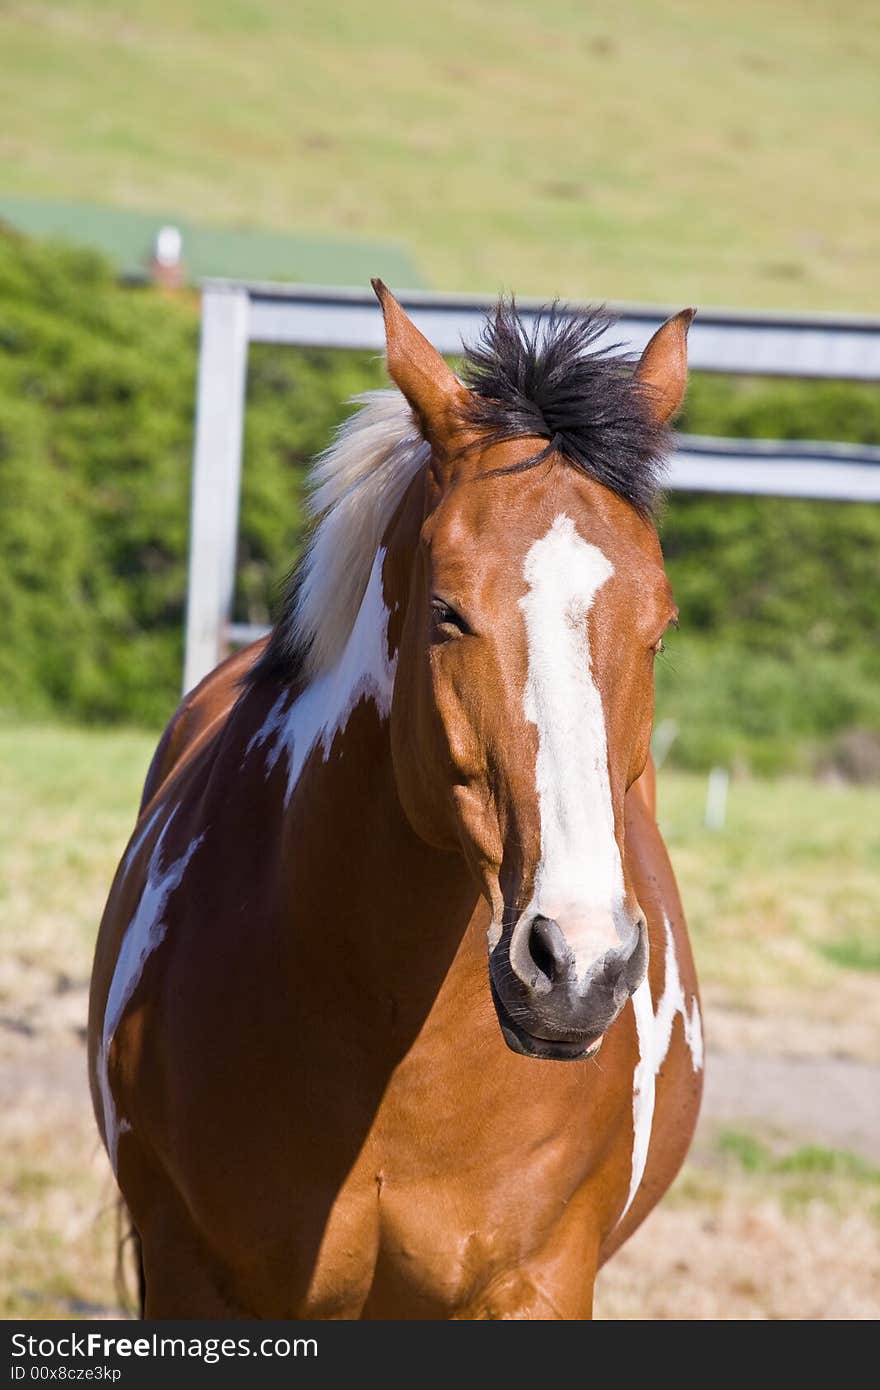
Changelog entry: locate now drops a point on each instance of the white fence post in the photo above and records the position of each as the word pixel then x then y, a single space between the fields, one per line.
pixel 716 798
pixel 216 481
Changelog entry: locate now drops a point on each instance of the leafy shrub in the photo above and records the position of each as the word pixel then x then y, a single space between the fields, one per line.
pixel 96 409
pixel 780 639
pixel 779 644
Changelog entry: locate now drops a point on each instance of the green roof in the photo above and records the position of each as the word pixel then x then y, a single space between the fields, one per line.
pixel 244 253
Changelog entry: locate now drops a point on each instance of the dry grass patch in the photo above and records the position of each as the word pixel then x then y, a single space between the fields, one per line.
pixel 774 903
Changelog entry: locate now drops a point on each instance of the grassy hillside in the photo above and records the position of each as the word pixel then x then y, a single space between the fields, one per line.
pixel 683 151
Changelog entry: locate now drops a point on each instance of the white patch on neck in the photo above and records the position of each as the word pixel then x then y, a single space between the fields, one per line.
pixel 654 1032
pixel 143 934
pixel 579 880
pixel 364 671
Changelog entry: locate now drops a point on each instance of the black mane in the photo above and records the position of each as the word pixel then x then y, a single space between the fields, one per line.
pixel 551 382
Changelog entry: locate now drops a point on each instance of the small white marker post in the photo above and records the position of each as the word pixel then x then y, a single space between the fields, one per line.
pixel 716 798
pixel 166 262
pixel 662 740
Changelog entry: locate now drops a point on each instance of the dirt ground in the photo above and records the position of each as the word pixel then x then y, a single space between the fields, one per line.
pixel 726 1242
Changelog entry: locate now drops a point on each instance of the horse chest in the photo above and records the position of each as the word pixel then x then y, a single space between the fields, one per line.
pixel 397 1245
pixel 464 1206
pixel 476 1197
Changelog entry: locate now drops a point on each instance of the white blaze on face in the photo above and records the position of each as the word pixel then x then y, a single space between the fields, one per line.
pixel 579 880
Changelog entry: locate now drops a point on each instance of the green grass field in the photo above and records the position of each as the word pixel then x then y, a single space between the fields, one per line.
pixel 782 905
pixel 680 152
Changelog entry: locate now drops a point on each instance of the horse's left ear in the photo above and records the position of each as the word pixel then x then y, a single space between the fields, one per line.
pixel 663 366
pixel 430 386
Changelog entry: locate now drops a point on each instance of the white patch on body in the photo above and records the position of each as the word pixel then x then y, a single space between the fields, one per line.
pixel 364 671
pixel 139 838
pixel 579 879
pixel 654 1033
pixel 143 934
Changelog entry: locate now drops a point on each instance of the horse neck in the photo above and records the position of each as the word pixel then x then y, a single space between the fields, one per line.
pixel 396 905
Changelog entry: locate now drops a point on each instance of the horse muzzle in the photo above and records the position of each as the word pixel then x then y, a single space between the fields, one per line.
pixel 544 1008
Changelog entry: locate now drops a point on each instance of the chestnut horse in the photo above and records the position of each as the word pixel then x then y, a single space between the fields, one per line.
pixel 322 1095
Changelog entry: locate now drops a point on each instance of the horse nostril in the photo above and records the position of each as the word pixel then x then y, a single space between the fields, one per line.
pixel 624 973
pixel 549 950
pixel 637 961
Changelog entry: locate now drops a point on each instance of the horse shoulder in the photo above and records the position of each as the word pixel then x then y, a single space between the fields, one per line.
pixel 208 704
pixel 155 859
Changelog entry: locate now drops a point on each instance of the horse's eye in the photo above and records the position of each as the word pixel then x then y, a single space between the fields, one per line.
pixel 660 646
pixel 447 622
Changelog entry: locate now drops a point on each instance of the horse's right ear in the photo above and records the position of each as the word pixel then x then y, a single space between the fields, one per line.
pixel 430 386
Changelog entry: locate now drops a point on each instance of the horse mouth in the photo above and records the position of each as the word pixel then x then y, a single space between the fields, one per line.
pixel 527 1044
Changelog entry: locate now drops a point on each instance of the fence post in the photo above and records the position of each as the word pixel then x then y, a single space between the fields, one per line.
pixel 216 480
pixel 716 798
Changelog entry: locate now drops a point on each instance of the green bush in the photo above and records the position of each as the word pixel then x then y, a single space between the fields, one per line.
pixel 780 619
pixel 96 408
pixel 95 393
pixel 779 642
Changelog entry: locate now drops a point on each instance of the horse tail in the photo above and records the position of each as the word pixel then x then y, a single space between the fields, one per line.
pixel 127 1237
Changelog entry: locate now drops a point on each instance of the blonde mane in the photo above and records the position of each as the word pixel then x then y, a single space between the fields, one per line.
pixel 355 487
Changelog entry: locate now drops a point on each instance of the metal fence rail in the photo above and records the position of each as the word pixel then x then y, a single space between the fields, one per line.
pixel 776 468
pixel 845 347
pixel 236 314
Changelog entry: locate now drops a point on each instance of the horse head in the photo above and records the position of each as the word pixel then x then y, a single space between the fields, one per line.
pixel 531 610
